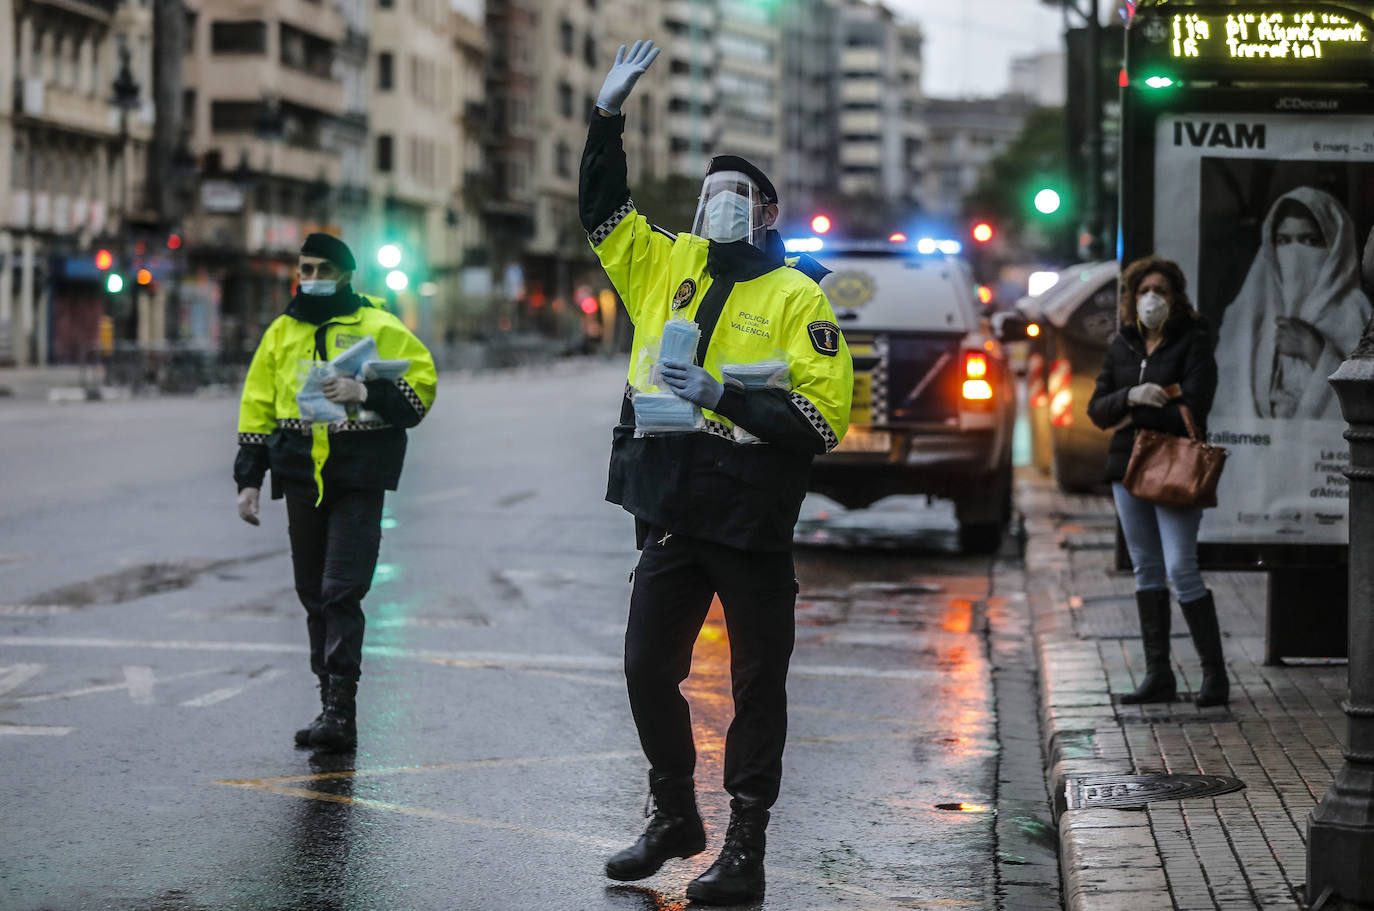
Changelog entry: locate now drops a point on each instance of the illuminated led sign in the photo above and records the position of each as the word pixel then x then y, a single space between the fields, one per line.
pixel 1303 35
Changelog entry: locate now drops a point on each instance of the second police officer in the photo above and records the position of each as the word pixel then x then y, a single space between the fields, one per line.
pixel 713 516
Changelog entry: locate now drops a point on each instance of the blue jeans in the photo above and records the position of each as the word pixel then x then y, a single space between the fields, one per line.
pixel 1162 541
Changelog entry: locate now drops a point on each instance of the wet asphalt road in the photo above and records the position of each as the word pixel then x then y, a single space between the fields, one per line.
pixel 153 668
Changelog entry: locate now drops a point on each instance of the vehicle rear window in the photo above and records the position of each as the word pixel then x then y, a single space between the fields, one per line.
pixel 898 295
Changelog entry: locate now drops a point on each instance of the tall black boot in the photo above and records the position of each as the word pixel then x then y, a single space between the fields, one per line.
pixel 1202 623
pixel 674 830
pixel 1159 684
pixel 303 735
pixel 338 729
pixel 737 874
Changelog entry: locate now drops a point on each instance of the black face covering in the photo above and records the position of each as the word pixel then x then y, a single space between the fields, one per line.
pixel 318 309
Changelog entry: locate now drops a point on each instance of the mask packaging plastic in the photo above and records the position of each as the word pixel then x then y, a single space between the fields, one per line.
pixel 350 361
pixel 310 400
pixel 758 375
pixel 665 412
pixel 679 345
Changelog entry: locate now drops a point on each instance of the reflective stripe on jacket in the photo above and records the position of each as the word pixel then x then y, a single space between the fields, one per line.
pixel 365 452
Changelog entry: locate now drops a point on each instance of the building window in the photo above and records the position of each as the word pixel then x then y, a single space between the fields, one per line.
pixel 565 99
pixel 565 37
pixel 562 158
pixel 384 153
pixel 589 50
pixel 386 4
pixel 386 75
pixel 234 116
pixel 238 37
pixel 301 50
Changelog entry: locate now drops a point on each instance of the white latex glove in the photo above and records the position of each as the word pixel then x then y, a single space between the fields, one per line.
pixel 248 505
pixel 341 390
pixel 624 74
pixel 1149 395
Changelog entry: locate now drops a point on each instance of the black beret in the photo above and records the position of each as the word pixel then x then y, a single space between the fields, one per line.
pixel 327 246
pixel 744 166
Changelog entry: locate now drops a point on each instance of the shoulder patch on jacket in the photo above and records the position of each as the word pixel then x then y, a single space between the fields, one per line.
pixel 825 337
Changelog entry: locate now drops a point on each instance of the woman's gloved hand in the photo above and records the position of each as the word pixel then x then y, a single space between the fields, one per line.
pixel 248 505
pixel 341 390
pixel 692 383
pixel 624 74
pixel 1148 395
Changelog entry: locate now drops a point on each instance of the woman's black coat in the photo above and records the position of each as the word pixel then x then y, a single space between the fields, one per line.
pixel 1184 357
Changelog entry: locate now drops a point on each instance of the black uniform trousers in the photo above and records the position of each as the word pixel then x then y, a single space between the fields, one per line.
pixel 673 587
pixel 334 550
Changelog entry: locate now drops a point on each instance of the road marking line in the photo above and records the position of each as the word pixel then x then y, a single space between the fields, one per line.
pixel 35 730
pixel 35 610
pixel 13 676
pixel 459 659
pixel 139 680
pixel 432 767
pixel 229 692
pixel 126 684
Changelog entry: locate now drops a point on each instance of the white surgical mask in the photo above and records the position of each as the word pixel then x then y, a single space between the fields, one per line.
pixel 1152 309
pixel 727 217
pixel 1299 266
pixel 318 287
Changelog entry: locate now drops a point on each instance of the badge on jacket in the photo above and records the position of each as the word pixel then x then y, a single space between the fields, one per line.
pixel 685 292
pixel 825 337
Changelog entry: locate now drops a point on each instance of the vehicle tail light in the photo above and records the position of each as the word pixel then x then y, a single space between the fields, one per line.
pixel 1060 393
pixel 976 388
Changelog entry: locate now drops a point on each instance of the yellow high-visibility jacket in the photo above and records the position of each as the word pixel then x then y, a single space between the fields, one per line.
pixel 706 484
pixel 363 453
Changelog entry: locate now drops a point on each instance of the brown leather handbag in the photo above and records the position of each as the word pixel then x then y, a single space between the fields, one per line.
pixel 1175 471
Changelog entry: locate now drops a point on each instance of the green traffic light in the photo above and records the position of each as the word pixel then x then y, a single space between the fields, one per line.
pixel 1159 82
pixel 114 283
pixel 1047 201
pixel 389 256
pixel 397 280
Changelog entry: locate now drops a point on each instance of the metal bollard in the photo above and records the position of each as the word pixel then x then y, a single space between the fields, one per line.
pixel 1340 830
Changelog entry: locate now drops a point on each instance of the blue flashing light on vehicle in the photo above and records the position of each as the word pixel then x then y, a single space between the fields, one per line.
pixel 803 244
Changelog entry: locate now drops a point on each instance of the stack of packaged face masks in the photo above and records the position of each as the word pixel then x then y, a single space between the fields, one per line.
pixel 360 362
pixel 666 412
pixel 759 375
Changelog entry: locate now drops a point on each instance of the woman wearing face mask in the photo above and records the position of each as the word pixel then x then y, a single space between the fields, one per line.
pixel 1299 313
pixel 1160 358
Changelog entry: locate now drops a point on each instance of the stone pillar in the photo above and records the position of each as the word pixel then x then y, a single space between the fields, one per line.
pixel 23 337
pixel 1340 830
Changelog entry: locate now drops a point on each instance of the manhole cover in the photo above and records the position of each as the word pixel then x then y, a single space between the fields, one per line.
pixel 1137 790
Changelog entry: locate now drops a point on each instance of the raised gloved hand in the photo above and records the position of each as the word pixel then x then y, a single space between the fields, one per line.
pixel 692 383
pixel 624 74
pixel 341 390
pixel 1149 395
pixel 248 505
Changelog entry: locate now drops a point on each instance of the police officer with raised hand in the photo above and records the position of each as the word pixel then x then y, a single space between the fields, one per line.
pixel 333 475
pixel 713 516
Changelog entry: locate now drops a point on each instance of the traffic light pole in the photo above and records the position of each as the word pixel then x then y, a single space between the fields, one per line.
pixel 1094 220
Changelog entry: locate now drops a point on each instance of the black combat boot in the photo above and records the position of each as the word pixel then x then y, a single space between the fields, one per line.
pixel 338 727
pixel 1159 684
pixel 737 874
pixel 674 830
pixel 303 735
pixel 1202 623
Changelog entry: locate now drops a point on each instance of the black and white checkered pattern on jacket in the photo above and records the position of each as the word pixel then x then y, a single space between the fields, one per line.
pixel 812 414
pixel 607 226
pixel 252 439
pixel 412 397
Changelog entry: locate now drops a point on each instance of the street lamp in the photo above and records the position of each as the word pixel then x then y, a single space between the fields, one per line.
pixel 126 99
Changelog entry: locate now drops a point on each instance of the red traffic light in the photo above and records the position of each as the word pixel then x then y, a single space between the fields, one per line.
pixel 588 305
pixel 104 259
pixel 820 224
pixel 173 241
pixel 982 232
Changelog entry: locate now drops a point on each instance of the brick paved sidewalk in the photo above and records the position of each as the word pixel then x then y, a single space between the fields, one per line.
pixel 1279 734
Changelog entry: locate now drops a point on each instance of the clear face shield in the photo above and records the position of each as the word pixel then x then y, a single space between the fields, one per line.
pixel 731 208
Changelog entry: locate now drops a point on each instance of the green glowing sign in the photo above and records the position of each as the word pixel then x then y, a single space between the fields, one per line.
pixel 1302 35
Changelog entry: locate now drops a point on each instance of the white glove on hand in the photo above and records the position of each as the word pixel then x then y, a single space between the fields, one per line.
pixel 1149 395
pixel 624 74
pixel 248 505
pixel 341 390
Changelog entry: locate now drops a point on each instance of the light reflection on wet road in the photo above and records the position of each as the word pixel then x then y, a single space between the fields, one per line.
pixel 497 763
